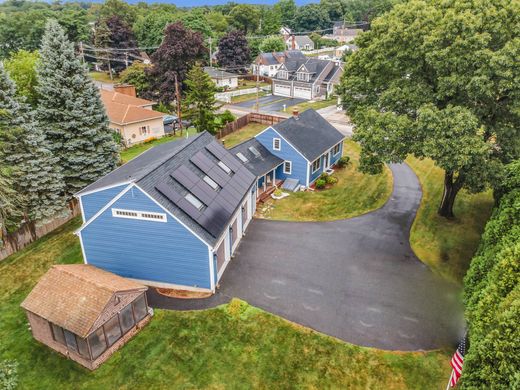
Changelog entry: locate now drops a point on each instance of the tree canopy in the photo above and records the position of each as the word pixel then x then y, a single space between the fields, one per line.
pixel 200 99
pixel 233 51
pixel 271 44
pixel 439 80
pixel 21 67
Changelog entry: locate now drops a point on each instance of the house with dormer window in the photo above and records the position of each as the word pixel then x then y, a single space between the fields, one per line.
pixel 307 78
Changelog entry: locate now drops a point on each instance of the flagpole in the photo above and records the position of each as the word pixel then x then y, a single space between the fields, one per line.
pixel 449 382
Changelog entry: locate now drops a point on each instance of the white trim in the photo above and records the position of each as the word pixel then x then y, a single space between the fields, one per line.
pixel 173 216
pixel 170 285
pixel 211 269
pixel 82 248
pixel 290 167
pixel 78 195
pixel 308 175
pixel 81 208
pixel 275 140
pixel 223 268
pixel 140 215
pixel 339 148
pixel 115 199
pixel 272 128
pixel 319 166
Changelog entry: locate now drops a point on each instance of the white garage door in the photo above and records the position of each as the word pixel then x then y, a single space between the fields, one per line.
pixel 304 93
pixel 282 90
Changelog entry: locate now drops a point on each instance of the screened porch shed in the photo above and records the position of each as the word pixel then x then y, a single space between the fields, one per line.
pixel 86 313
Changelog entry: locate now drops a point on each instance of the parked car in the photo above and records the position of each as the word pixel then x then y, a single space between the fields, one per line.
pixel 170 119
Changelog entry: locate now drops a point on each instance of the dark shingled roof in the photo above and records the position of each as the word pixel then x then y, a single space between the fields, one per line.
pixel 174 166
pixel 311 134
pixel 215 73
pixel 258 165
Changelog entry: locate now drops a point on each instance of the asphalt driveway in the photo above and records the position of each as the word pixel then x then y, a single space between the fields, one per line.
pixel 354 279
pixel 271 103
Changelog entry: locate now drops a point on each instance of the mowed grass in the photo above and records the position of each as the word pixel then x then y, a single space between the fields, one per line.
pixel 243 134
pixel 318 104
pixel 134 151
pixel 354 194
pixel 447 246
pixel 234 346
pixel 103 77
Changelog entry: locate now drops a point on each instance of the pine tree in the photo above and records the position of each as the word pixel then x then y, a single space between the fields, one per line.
pixel 200 99
pixel 34 171
pixel 71 113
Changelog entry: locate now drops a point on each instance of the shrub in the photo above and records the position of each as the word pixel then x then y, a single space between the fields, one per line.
pixel 320 184
pixel 343 162
pixel 149 139
pixel 331 179
pixel 278 192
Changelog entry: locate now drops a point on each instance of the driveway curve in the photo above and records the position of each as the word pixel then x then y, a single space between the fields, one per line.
pixel 355 279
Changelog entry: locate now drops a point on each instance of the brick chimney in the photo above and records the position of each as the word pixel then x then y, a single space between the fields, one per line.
pixel 125 89
pixel 293 45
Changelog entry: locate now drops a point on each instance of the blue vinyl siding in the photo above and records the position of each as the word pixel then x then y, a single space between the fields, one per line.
pixel 147 250
pixel 94 202
pixel 286 152
pixel 316 174
pixel 333 160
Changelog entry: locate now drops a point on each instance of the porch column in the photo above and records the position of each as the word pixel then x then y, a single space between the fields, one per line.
pixel 274 177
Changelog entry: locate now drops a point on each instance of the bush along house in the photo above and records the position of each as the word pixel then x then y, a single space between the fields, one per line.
pixel 295 151
pixel 85 313
pixel 171 217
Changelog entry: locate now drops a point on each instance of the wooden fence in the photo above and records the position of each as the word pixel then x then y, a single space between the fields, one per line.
pixel 243 121
pixel 263 79
pixel 30 232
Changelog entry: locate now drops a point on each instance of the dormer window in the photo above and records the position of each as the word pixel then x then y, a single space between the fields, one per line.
pixel 283 74
pixel 301 76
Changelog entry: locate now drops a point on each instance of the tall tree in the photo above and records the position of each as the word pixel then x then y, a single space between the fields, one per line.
pixel 21 67
pixel 271 44
pixel 72 114
pixel 217 22
pixel 311 17
pixel 233 52
pixel 200 99
pixel 149 28
pixel 287 10
pixel 136 75
pixel 448 92
pixel 245 17
pixel 180 49
pixel 37 175
pixel 118 8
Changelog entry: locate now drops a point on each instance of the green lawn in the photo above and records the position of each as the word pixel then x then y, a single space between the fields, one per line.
pixel 134 151
pixel 103 77
pixel 249 96
pixel 316 105
pixel 354 194
pixel 233 346
pixel 243 134
pixel 246 84
pixel 447 246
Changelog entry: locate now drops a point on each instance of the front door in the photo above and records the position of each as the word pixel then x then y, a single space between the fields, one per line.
pixel 326 161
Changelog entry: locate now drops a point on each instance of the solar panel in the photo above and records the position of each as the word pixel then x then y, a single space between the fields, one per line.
pixel 168 192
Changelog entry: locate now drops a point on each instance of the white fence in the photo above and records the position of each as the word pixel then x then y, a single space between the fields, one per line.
pixel 226 96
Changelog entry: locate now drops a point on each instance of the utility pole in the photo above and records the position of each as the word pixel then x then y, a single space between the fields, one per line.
pixel 257 105
pixel 178 99
pixel 81 51
pixel 210 53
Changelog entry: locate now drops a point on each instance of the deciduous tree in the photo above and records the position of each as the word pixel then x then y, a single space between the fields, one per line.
pixel 233 51
pixel 271 44
pixel 311 17
pixel 448 92
pixel 180 49
pixel 245 17
pixel 71 113
pixel 136 75
pixel 287 10
pixel 21 67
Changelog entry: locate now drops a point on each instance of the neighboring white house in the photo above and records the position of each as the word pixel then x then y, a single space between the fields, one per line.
pixel 222 78
pixel 267 64
pixel 299 42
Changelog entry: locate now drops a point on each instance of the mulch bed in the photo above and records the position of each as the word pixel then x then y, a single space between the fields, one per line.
pixel 183 294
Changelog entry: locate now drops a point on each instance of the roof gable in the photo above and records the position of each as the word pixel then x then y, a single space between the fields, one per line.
pixel 75 296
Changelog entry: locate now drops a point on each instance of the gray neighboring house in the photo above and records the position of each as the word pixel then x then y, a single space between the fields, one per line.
pixel 299 42
pixel 308 78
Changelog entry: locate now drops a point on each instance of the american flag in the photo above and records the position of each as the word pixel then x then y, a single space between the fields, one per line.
pixel 457 361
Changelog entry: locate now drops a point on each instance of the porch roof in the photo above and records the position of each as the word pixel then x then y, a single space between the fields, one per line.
pixel 258 164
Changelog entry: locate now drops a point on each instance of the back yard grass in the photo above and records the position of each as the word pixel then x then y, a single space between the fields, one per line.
pixel 318 104
pixel 447 246
pixel 134 151
pixel 233 346
pixel 243 134
pixel 354 194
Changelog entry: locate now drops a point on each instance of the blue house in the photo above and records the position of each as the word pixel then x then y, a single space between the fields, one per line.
pixel 300 148
pixel 171 217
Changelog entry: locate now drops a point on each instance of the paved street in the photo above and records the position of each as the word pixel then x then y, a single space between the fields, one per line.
pixel 354 279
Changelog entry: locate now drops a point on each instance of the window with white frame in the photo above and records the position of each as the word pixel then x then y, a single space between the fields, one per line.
pixel 287 167
pixel 143 130
pixel 276 143
pixel 211 182
pixel 335 149
pixel 224 167
pixel 143 215
pixel 316 164
pixel 301 76
pixel 283 74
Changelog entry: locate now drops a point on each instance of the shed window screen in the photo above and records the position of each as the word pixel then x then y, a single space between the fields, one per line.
pixel 316 165
pixel 57 333
pixel 70 338
pixel 112 330
pixel 126 318
pixel 82 347
pixel 276 143
pixel 143 215
pixel 97 343
pixel 140 310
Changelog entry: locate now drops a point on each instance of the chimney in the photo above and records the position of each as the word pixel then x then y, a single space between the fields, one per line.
pixel 295 113
pixel 125 89
pixel 293 46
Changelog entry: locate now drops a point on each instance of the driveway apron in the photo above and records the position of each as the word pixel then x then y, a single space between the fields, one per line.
pixel 355 279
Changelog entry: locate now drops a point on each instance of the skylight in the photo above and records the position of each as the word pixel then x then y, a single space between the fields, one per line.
pixel 194 201
pixel 242 157
pixel 253 150
pixel 224 167
pixel 211 182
